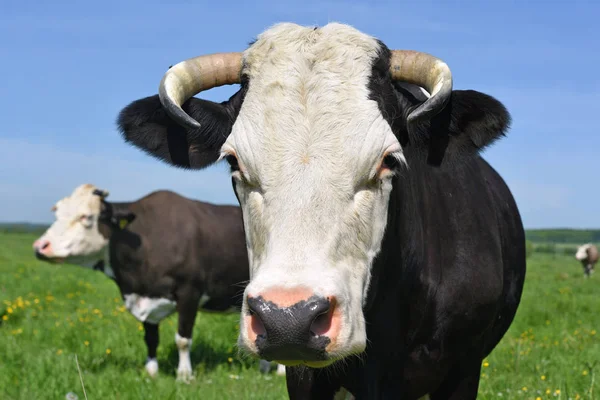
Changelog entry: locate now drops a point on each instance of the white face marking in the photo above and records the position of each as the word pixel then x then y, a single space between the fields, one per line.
pixel 74 236
pixel 184 369
pixel 309 142
pixel 146 309
pixel 582 252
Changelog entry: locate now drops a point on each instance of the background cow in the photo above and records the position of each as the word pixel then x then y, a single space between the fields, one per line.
pixel 386 256
pixel 166 253
pixel 587 254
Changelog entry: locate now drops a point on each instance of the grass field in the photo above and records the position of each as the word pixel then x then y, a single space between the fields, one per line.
pixel 51 314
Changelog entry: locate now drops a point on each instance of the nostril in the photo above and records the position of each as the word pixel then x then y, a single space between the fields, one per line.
pixel 44 245
pixel 321 324
pixel 258 327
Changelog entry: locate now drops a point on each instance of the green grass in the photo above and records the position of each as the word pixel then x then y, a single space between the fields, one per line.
pixel 50 314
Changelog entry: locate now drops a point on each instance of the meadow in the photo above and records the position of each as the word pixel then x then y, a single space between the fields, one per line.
pixel 56 318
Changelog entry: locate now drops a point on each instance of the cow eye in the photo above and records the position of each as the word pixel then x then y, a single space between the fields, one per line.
pixel 233 163
pixel 390 162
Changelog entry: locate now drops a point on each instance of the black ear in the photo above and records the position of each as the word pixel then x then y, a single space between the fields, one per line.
pixel 116 214
pixel 145 124
pixel 470 122
pixel 122 219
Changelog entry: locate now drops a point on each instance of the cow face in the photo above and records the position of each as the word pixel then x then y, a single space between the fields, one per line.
pixel 315 138
pixel 582 252
pixel 75 236
pixel 312 162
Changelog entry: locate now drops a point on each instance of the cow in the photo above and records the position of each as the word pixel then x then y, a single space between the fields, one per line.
pixel 387 257
pixel 165 252
pixel 587 255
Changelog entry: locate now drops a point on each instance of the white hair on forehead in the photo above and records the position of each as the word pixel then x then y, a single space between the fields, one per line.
pixel 82 199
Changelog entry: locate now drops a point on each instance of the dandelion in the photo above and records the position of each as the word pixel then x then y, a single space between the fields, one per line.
pixel 524 388
pixel 86 343
pixel 5 318
pixel 36 301
pixel 486 364
pixel 9 310
pixel 584 373
pixel 59 352
pixel 593 332
pixel 96 311
pixel 548 391
pixel 538 398
pixel 108 351
pixel 557 392
pixel 49 298
pixel 230 360
pixel 543 377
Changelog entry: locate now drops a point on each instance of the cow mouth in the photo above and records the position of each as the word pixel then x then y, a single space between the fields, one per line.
pixel 50 260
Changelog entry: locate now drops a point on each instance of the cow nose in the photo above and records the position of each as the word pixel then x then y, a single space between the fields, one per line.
pixel 291 330
pixel 41 245
pixel 42 248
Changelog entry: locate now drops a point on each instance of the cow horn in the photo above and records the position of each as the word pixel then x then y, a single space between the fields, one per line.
pixel 426 71
pixel 190 77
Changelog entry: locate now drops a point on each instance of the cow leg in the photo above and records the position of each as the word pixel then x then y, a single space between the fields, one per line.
pixel 308 384
pixel 587 270
pixel 187 308
pixel 462 383
pixel 151 338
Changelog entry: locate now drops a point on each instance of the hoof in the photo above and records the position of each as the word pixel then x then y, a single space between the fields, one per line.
pixel 280 369
pixel 185 376
pixel 152 368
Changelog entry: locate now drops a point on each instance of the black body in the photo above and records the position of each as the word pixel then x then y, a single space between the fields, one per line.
pixel 178 249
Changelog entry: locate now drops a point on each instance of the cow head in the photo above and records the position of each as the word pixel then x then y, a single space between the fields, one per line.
pixel 81 231
pixel 583 252
pixel 315 137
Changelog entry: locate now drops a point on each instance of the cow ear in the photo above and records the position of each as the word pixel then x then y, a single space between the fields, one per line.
pixel 469 123
pixel 145 124
pixel 122 219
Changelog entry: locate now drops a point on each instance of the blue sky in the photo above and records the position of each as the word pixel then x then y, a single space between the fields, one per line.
pixel 68 67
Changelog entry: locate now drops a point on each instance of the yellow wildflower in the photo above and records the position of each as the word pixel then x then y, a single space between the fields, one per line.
pixel 86 343
pixel 584 373
pixel 524 388
pixel 9 310
pixel 557 391
pixel 59 352
pixel 108 351
pixel 486 364
pixel 5 318
pixel 230 359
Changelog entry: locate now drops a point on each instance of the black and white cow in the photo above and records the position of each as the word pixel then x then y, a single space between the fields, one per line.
pixel 387 258
pixel 588 256
pixel 165 252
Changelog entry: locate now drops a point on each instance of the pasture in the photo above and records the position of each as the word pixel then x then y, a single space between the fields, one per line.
pixel 52 314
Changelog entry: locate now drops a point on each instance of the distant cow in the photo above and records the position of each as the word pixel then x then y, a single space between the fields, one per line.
pixel 166 253
pixel 587 254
